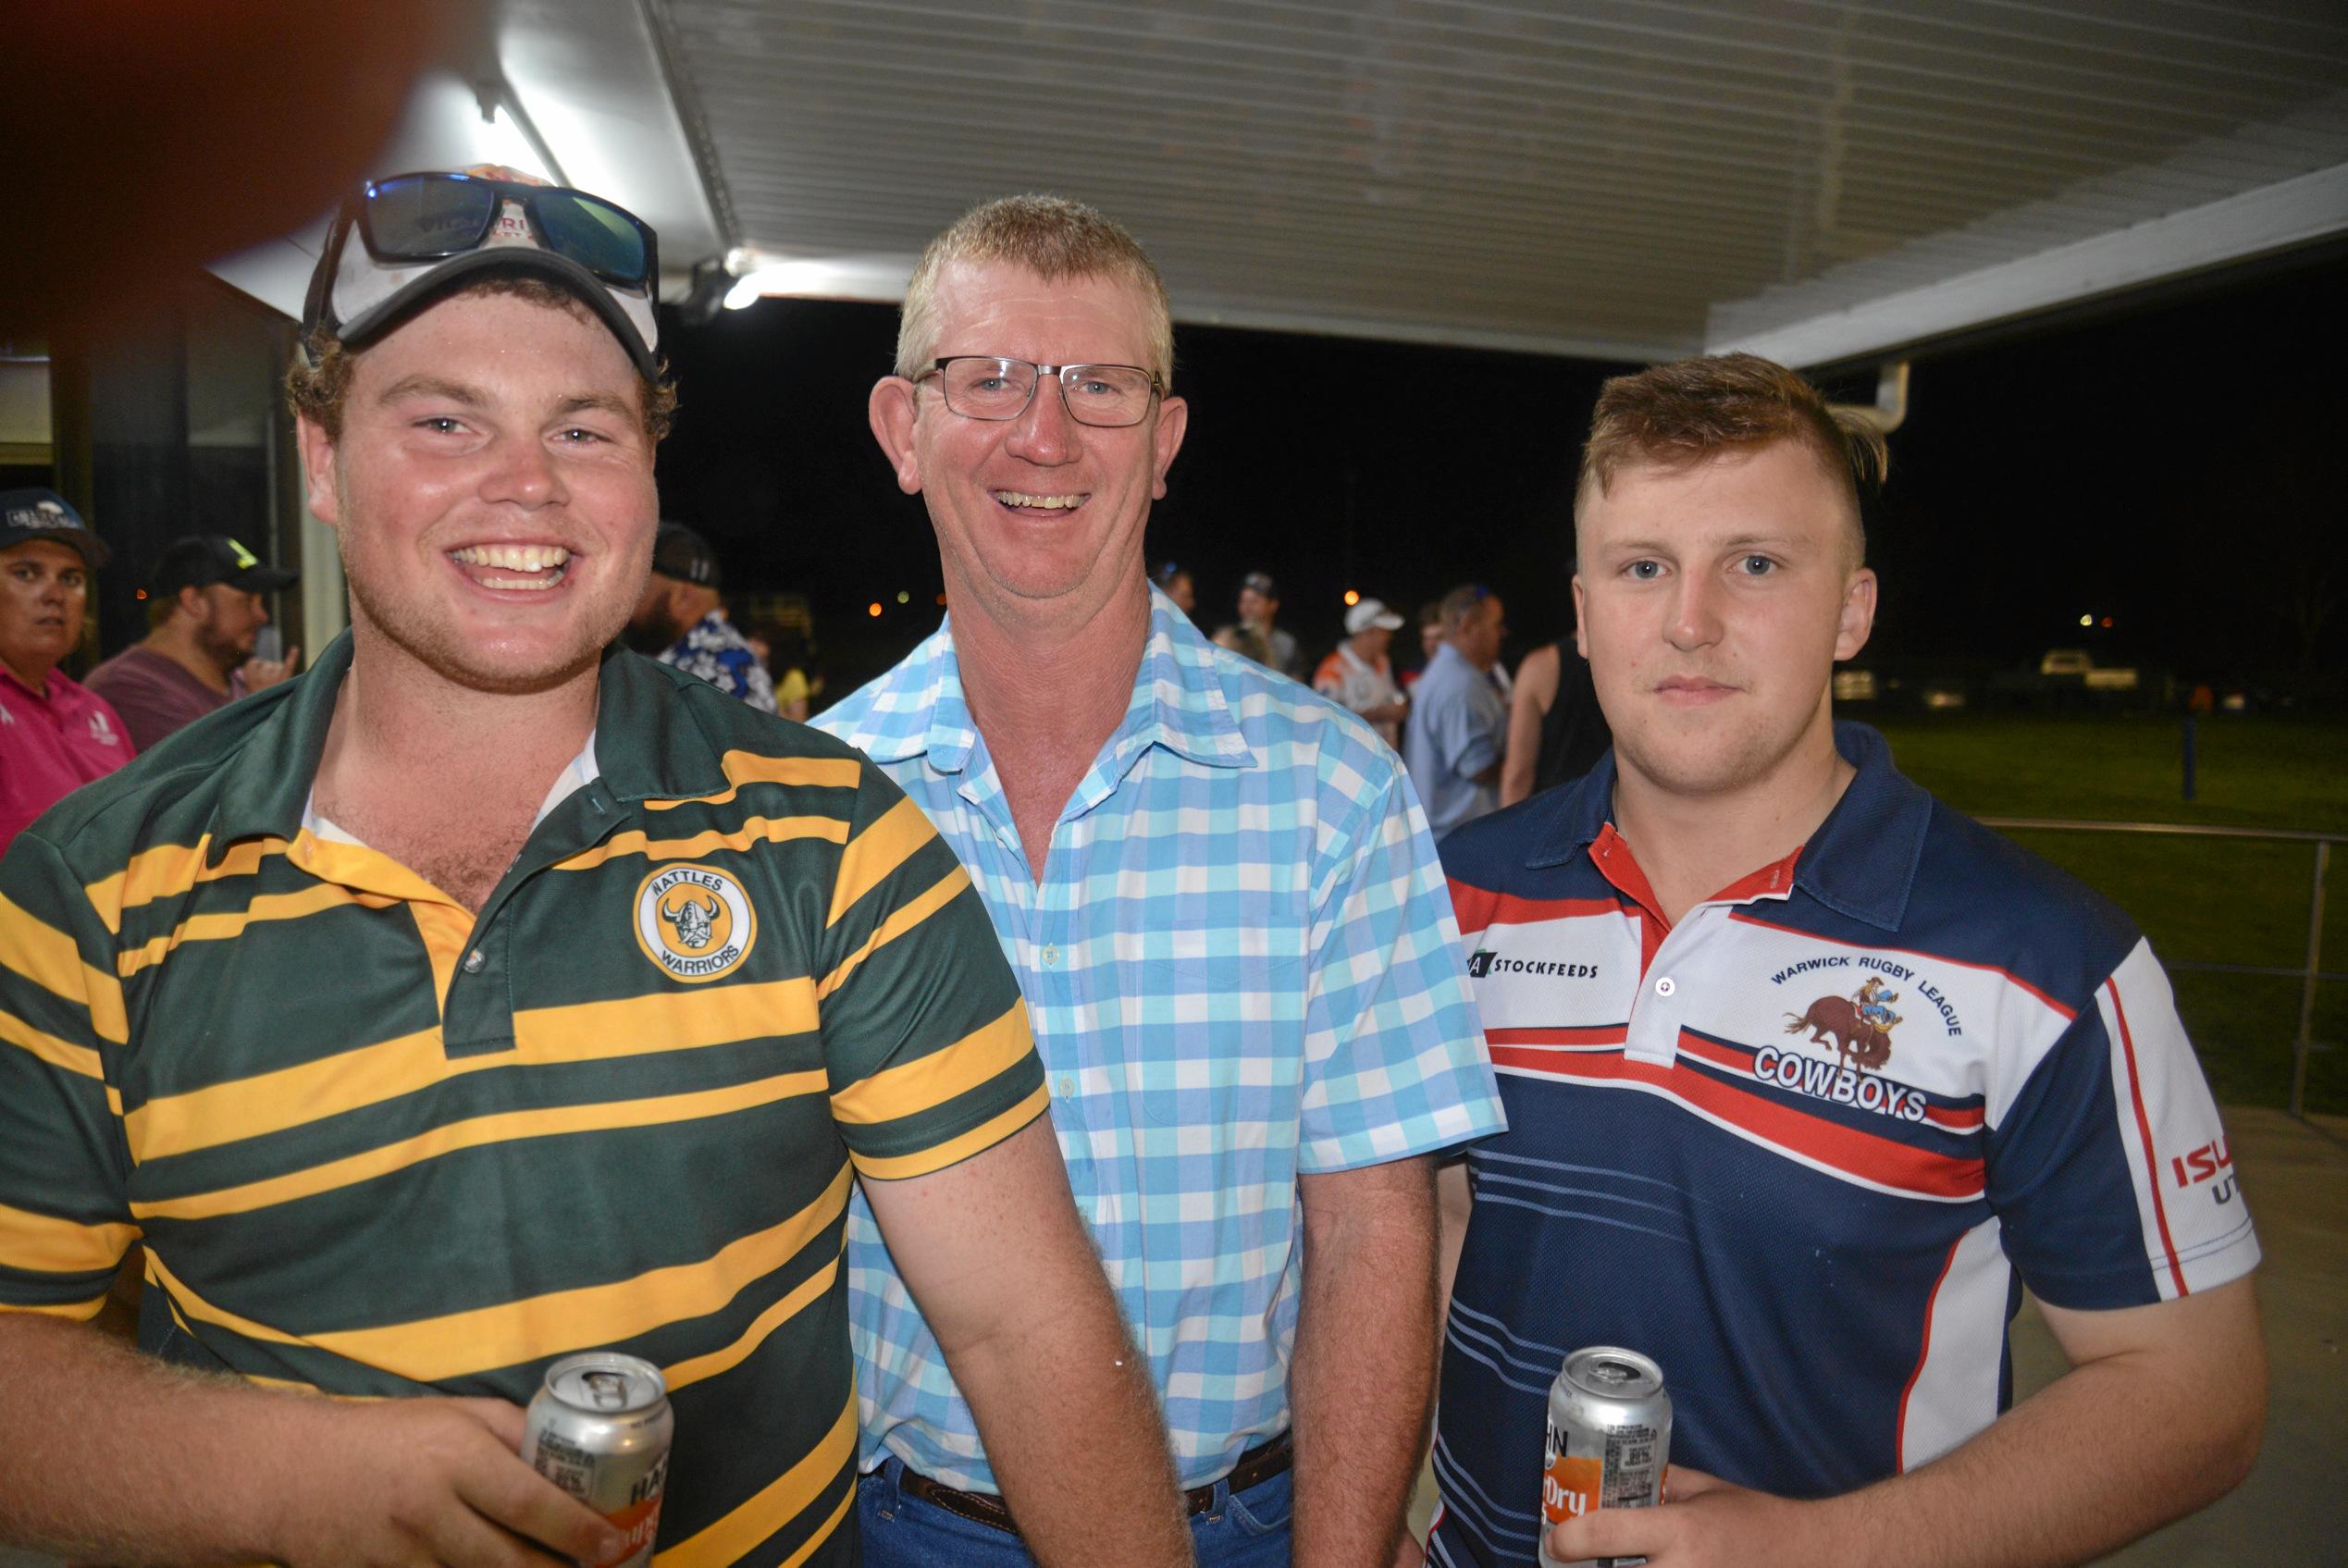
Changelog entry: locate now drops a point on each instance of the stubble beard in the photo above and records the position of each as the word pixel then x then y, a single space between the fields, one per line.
pixel 434 646
pixel 1692 765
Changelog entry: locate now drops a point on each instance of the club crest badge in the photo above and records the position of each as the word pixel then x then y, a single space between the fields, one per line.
pixel 1861 1024
pixel 694 923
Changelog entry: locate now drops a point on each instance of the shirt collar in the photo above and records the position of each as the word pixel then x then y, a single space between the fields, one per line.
pixel 58 685
pixel 647 745
pixel 1861 862
pixel 1177 702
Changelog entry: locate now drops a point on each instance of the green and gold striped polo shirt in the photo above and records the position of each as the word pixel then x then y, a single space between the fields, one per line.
pixel 377 1146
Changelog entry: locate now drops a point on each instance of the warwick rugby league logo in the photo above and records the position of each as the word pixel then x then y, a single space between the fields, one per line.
pixel 1861 1024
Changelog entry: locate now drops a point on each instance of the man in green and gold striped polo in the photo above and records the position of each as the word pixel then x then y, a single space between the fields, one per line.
pixel 484 996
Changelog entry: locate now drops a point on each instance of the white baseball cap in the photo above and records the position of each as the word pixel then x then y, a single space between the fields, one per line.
pixel 1371 612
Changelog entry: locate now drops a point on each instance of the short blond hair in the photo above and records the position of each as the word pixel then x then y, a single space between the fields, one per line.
pixel 1676 415
pixel 1050 236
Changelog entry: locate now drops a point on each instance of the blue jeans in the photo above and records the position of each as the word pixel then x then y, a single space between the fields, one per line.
pixel 1246 1530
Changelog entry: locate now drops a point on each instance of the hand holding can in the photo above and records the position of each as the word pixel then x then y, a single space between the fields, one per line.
pixel 599 1428
pixel 1609 1443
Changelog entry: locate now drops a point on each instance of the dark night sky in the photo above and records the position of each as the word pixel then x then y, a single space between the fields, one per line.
pixel 2178 465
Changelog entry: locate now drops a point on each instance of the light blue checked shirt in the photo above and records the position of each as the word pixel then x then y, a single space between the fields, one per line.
pixel 1241 965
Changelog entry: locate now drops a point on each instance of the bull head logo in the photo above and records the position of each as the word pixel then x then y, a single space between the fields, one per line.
pixel 695 923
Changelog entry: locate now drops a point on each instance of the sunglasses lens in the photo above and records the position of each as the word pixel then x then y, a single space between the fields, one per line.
pixel 594 234
pixel 424 217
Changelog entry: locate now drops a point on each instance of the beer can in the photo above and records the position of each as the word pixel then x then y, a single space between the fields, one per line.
pixel 599 1428
pixel 1609 1444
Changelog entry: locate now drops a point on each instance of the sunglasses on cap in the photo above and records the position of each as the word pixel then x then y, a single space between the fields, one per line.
pixel 417 232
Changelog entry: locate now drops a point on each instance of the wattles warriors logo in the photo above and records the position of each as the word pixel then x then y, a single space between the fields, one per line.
pixel 694 923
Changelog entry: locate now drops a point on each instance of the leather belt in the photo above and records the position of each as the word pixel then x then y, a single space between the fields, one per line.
pixel 1255 1466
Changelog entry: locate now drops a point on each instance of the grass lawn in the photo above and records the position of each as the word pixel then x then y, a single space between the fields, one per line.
pixel 2206 900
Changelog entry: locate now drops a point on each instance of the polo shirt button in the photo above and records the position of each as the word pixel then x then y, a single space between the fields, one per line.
pixel 1068 1087
pixel 473 960
pixel 1051 956
pixel 1664 987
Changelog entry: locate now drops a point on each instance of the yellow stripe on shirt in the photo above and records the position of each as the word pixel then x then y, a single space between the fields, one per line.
pixel 664 1020
pixel 47 1245
pixel 48 958
pixel 795 1300
pixel 461 1344
pixel 731 1538
pixel 753 832
pixel 72 1312
pixel 872 855
pixel 49 1048
pixel 748 767
pixel 474 1133
pixel 348 1081
pixel 171 870
pixel 978 1140
pixel 905 918
pixel 929 1082
pixel 227 924
pixel 271 1102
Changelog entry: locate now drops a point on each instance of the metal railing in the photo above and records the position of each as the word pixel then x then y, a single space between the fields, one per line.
pixel 2308 974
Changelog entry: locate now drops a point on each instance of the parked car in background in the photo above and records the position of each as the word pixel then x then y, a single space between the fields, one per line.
pixel 2076 666
pixel 1854 686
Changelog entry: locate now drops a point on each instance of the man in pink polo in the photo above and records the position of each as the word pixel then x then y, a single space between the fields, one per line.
pixel 55 735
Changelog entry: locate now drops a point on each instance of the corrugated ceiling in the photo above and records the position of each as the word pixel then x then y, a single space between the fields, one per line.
pixel 1623 178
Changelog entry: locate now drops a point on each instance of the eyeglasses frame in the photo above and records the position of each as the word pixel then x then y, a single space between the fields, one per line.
pixel 1058 373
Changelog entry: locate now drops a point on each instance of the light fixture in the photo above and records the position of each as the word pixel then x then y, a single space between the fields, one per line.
pixel 873 608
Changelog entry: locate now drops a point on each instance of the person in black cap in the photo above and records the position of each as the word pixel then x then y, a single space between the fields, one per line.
pixel 680 622
pixel 1259 607
pixel 55 735
pixel 204 608
pixel 488 995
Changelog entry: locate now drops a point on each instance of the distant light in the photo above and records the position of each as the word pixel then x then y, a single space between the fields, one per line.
pixel 2086 620
pixel 814 277
pixel 941 602
pixel 873 608
pixel 1351 599
pixel 2106 623
pixel 506 145
pixel 904 598
pixel 142 593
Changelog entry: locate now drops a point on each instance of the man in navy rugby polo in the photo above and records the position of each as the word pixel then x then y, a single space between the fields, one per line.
pixel 1806 1075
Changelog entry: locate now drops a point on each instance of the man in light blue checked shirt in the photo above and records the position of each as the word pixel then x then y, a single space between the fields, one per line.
pixel 1220 896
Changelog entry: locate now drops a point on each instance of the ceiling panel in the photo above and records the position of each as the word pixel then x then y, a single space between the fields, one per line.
pixel 1614 176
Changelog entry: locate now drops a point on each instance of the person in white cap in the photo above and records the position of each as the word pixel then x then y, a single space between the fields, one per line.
pixel 1358 675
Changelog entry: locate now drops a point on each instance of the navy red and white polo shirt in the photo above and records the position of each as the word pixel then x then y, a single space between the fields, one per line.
pixel 1805 1147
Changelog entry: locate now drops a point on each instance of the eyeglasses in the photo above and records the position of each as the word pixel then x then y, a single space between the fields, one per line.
pixel 981 387
pixel 415 217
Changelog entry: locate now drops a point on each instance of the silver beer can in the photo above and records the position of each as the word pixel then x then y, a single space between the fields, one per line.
pixel 1609 1444
pixel 599 1428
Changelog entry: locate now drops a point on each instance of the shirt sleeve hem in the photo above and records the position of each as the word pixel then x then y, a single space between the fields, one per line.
pixel 2109 1291
pixel 1326 1157
pixel 954 1150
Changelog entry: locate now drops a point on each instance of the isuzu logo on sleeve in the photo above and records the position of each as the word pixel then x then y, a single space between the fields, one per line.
pixel 694 923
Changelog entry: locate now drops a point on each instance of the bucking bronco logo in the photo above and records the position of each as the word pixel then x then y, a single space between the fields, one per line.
pixel 695 923
pixel 1860 1023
